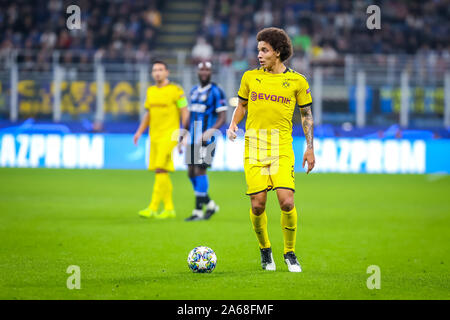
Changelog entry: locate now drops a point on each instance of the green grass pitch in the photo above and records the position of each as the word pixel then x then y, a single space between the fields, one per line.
pixel 51 219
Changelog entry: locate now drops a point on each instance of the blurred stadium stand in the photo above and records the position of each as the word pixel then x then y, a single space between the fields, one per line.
pixel 181 23
pixel 364 82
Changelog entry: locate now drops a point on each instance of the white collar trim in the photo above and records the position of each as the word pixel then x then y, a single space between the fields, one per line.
pixel 205 88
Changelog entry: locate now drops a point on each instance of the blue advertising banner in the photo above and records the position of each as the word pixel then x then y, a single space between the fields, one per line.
pixel 117 151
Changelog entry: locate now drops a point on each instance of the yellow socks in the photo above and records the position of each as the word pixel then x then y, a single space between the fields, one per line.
pixel 167 197
pixel 158 191
pixel 162 191
pixel 289 227
pixel 260 227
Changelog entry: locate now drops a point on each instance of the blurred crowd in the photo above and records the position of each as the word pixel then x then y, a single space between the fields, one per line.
pixel 323 30
pixel 119 31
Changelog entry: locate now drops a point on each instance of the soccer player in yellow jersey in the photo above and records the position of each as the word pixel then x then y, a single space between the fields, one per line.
pixel 165 102
pixel 269 96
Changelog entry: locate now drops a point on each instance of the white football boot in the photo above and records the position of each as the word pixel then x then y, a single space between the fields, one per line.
pixel 292 262
pixel 267 262
pixel 211 208
pixel 196 215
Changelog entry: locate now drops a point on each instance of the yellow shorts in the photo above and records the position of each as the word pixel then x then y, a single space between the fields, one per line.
pixel 161 155
pixel 270 175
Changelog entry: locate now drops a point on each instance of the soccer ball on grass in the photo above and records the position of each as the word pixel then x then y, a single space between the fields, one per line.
pixel 202 260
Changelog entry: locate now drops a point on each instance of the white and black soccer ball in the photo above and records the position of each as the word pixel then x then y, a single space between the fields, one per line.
pixel 202 260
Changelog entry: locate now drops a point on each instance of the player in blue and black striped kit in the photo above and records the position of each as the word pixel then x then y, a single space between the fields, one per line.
pixel 207 109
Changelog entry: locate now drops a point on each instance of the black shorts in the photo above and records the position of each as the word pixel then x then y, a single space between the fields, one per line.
pixel 199 155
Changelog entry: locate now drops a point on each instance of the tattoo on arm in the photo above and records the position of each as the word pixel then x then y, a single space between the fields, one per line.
pixel 307 124
pixel 244 103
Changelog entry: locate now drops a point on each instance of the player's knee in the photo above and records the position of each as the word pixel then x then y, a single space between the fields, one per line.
pixel 258 202
pixel 191 171
pixel 287 204
pixel 258 207
pixel 200 170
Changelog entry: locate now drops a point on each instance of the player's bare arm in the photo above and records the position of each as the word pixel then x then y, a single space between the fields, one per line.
pixel 308 130
pixel 185 124
pixel 142 127
pixel 185 115
pixel 221 117
pixel 238 115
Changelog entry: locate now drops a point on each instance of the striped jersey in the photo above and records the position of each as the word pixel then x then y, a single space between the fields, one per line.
pixel 205 104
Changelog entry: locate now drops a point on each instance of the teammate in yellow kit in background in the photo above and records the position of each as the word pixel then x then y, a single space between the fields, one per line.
pixel 165 103
pixel 269 95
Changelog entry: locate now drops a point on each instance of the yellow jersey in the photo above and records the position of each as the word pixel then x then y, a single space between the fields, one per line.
pixel 271 102
pixel 163 105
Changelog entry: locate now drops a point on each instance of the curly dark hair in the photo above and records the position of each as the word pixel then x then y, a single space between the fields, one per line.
pixel 278 39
